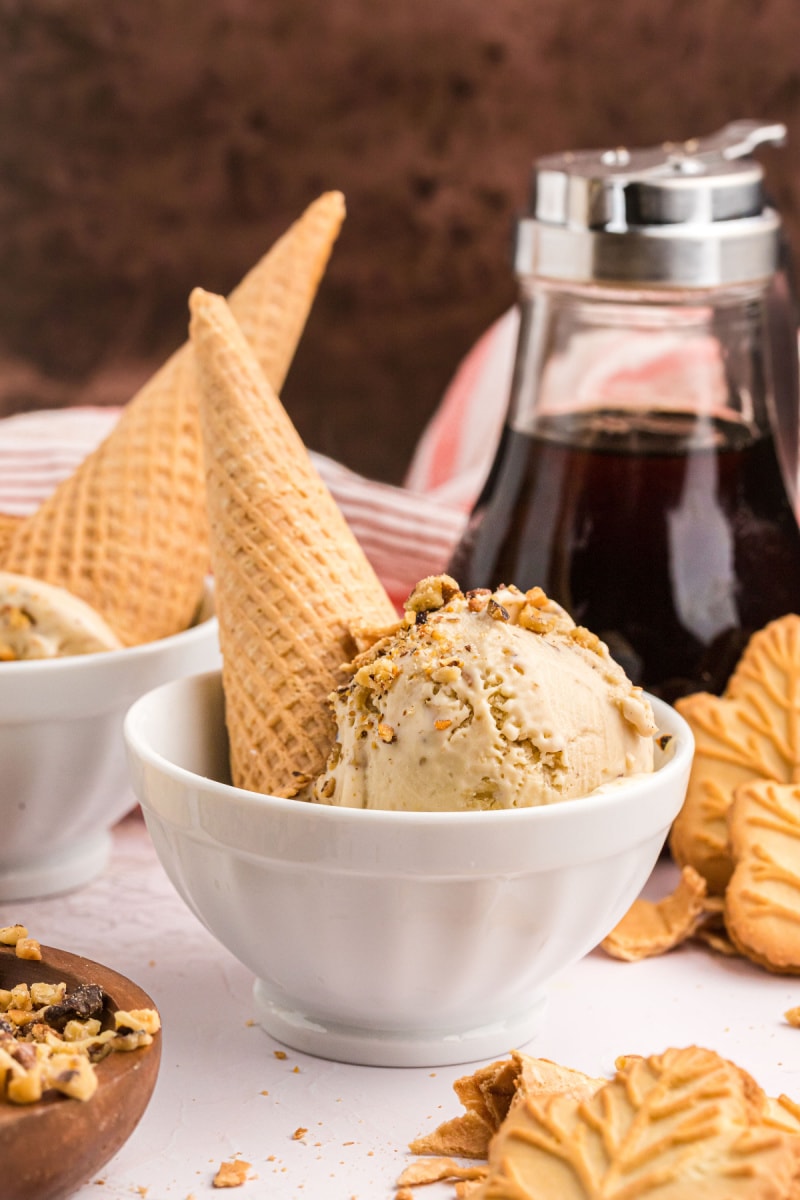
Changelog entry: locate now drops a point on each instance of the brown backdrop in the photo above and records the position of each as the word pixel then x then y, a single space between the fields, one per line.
pixel 149 146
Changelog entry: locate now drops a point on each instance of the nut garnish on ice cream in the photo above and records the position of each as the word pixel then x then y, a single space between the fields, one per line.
pixel 488 700
pixel 40 620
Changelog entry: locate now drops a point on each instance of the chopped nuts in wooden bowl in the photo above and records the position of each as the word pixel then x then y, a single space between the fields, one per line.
pixel 67 1102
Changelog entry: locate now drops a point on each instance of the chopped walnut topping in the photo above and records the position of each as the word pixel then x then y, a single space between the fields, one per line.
pixel 386 733
pixel 435 591
pixel 28 947
pixel 46 993
pixel 378 673
pixel 138 1020
pixel 792 1015
pixel 14 617
pixel 537 620
pixel 584 637
pixel 478 599
pixel 496 611
pixel 50 1038
pixel 442 724
pixel 10 934
pixel 446 674
pixel 366 636
pixel 15 620
pixel 537 597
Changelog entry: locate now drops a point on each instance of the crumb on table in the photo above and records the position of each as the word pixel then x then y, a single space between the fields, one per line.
pixel 231 1174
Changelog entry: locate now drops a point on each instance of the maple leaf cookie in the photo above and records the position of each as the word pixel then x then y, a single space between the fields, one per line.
pixel 762 901
pixel 750 733
pixel 681 1124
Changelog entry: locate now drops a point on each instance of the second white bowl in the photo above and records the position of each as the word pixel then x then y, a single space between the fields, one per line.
pixel 64 781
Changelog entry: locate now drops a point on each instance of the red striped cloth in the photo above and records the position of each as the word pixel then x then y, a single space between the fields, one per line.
pixel 456 449
pixel 407 532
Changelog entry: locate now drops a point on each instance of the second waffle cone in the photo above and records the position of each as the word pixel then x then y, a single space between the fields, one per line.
pixel 127 531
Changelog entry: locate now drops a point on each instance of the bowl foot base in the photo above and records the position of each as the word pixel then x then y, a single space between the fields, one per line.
pixel 70 866
pixel 393 1048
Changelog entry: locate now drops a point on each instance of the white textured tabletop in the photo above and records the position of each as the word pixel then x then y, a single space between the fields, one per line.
pixel 313 1128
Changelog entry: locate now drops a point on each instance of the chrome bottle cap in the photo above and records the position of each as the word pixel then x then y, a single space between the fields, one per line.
pixel 682 215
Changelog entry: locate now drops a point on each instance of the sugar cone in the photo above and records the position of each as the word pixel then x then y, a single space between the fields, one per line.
pixel 290 576
pixel 127 532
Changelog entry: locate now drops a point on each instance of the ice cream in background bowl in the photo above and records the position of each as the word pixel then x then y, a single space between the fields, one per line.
pixel 40 620
pixel 64 782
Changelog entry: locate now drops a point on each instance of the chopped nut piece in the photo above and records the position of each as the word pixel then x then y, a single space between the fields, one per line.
pixel 477 599
pixel 386 733
pixel 28 947
pixel 299 1133
pixel 15 618
pixel 431 593
pixel 496 611
pixel 442 724
pixel 25 1088
pixel 792 1015
pixel 146 1019
pixel 76 1031
pixel 75 1077
pixel 83 1001
pixel 50 1039
pixel 446 674
pixel 10 934
pixel 20 997
pixel 584 637
pixel 47 993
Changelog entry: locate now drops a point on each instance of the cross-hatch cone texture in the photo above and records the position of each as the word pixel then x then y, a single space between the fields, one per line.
pixel 127 531
pixel 290 576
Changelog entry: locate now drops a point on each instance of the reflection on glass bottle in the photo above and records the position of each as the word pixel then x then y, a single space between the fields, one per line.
pixel 637 480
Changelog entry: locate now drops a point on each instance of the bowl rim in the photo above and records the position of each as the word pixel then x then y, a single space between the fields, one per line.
pixel 667 717
pixel 106 659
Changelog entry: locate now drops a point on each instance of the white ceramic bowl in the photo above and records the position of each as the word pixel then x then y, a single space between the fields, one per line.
pixel 63 776
pixel 396 939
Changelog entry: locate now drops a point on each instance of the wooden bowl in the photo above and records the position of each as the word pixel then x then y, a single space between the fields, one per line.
pixel 50 1148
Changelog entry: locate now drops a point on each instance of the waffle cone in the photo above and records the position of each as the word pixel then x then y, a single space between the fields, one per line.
pixel 290 576
pixel 127 531
pixel 8 526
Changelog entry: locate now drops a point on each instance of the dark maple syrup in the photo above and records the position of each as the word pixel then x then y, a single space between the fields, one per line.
pixel 669 535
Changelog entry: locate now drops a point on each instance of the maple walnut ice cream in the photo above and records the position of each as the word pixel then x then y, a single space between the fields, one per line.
pixel 483 701
pixel 40 620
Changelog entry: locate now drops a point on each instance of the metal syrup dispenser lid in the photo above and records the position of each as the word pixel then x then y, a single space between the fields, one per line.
pixel 682 215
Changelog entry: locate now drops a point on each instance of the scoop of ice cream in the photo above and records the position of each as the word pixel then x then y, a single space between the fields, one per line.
pixel 40 620
pixel 483 701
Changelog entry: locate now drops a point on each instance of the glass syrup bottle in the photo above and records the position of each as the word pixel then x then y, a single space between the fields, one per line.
pixel 645 474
